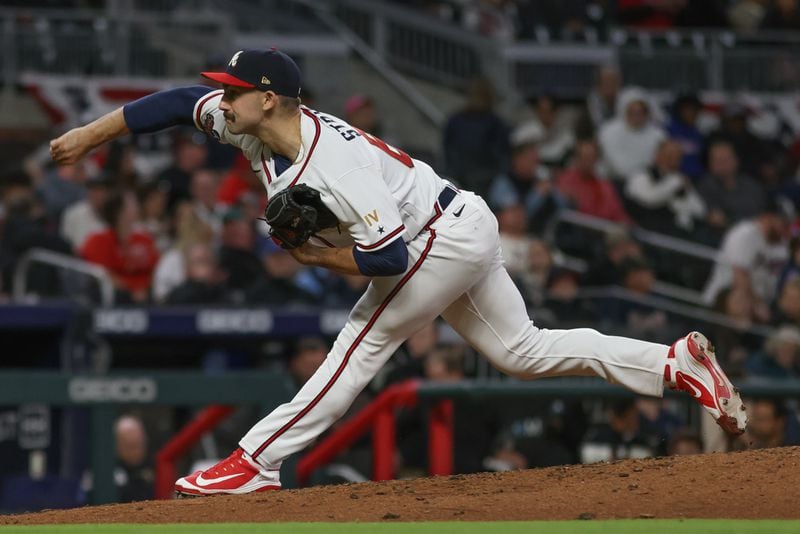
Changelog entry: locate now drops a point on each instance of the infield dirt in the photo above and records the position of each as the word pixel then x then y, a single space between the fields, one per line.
pixel 746 485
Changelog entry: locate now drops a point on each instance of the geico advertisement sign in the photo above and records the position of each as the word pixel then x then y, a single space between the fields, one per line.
pixel 121 321
pixel 234 321
pixel 112 390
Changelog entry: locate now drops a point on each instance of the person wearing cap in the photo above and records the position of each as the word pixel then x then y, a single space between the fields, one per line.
pixel 431 249
pixel 751 256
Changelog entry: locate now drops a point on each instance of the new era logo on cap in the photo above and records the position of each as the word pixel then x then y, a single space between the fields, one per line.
pixel 266 70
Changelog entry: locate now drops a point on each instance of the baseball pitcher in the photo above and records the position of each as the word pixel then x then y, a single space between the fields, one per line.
pixel 342 199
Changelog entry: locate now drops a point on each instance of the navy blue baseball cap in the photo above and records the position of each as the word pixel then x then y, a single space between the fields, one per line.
pixel 266 70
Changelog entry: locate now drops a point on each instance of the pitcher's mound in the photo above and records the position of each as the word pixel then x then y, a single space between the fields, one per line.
pixel 747 485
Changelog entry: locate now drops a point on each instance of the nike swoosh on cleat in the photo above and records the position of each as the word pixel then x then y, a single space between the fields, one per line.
pixel 202 482
pixel 458 213
pixel 695 391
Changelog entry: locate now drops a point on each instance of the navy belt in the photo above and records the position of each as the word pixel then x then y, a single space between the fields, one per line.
pixel 446 196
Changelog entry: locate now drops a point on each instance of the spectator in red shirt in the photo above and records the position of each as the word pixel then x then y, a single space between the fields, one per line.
pixel 240 184
pixel 128 253
pixel 589 192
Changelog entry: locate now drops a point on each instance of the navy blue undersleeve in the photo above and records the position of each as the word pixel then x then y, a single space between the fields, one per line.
pixel 163 109
pixel 388 261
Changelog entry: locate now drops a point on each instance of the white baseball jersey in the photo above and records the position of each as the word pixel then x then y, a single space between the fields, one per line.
pixel 375 190
pixel 455 269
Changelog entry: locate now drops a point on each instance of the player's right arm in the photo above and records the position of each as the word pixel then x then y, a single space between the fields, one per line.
pixel 148 114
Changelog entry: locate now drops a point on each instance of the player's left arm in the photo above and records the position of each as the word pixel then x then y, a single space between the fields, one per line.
pixel 388 261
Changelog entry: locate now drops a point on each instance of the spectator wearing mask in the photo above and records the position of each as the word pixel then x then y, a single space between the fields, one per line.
pixel 476 140
pixel 84 217
pixel 128 253
pixel 528 183
pixel 589 192
pixel 729 195
pixel 682 128
pixel 662 198
pixel 629 141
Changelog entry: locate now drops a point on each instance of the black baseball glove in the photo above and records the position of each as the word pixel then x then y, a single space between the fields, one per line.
pixel 295 214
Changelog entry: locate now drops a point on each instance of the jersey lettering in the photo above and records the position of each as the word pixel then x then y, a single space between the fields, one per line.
pixel 393 152
pixel 369 217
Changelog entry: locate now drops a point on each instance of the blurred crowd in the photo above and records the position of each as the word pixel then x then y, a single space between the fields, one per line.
pixel 508 20
pixel 174 219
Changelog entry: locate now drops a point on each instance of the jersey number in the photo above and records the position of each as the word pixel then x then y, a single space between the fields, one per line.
pixel 393 152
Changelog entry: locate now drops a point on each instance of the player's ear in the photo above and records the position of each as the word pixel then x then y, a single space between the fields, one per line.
pixel 269 100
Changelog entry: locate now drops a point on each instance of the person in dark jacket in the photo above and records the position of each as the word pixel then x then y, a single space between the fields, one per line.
pixel 476 140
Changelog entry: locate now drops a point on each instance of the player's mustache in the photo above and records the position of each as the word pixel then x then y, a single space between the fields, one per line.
pixel 229 116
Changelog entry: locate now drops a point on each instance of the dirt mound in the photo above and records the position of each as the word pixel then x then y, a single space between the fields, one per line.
pixel 746 485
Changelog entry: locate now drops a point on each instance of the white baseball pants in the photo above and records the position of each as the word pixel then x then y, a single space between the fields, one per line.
pixel 456 271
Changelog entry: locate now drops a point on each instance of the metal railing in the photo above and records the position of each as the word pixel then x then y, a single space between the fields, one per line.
pixel 672 246
pixel 60 261
pixel 117 40
pixel 688 59
pixel 678 309
pixel 148 37
pixel 377 61
pixel 655 239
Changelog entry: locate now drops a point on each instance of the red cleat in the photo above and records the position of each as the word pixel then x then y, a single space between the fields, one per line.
pixel 234 475
pixel 692 367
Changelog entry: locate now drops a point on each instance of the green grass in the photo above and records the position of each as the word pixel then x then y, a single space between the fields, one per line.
pixel 648 526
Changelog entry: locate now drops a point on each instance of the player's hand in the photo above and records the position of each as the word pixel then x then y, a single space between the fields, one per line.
pixel 70 147
pixel 305 253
